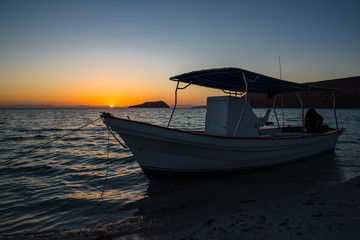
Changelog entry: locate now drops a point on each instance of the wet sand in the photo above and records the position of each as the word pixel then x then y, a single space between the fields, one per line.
pixel 305 200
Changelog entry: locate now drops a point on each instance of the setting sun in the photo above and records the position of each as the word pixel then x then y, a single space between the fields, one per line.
pixel 111 106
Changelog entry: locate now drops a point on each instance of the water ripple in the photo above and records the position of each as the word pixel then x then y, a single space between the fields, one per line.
pixel 59 186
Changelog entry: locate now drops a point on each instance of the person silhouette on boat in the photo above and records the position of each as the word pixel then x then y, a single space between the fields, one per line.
pixel 314 122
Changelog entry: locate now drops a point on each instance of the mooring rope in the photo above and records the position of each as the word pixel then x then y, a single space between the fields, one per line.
pixel 107 155
pixel 47 143
pixel 112 133
pixel 107 165
pixel 68 133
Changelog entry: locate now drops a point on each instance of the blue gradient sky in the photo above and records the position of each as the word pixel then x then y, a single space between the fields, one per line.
pixel 123 52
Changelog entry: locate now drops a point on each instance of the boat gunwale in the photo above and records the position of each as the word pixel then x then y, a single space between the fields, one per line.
pixel 332 131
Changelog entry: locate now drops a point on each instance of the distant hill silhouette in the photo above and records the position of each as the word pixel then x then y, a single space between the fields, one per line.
pixel 347 95
pixel 158 104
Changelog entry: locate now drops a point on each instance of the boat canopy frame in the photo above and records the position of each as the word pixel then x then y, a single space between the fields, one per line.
pixel 241 81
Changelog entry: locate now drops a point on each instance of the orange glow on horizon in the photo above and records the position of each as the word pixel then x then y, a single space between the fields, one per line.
pixel 95 89
pixel 110 99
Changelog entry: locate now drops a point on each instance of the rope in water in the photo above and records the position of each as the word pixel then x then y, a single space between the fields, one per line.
pixel 107 165
pixel 47 143
pixel 68 133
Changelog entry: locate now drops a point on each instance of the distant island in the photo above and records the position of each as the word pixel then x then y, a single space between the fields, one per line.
pixel 158 104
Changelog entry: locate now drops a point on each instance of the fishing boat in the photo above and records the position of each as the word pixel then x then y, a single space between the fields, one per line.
pixel 234 138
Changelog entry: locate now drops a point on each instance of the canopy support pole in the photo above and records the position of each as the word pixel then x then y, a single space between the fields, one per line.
pixel 302 114
pixel 334 106
pixel 282 106
pixel 282 96
pixel 274 107
pixel 246 99
pixel 246 87
pixel 177 87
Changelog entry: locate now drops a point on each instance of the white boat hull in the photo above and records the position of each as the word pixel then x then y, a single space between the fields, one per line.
pixel 163 151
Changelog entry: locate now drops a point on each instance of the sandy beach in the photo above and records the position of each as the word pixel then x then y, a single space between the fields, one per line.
pixel 294 201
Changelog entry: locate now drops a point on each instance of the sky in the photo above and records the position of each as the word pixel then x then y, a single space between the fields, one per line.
pixel 121 53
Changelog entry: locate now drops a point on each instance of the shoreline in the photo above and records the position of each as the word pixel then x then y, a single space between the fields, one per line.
pixel 264 206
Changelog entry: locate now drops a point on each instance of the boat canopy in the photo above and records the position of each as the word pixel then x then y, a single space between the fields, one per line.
pixel 240 80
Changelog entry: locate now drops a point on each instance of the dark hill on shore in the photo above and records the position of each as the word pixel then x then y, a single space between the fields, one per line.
pixel 158 104
pixel 347 95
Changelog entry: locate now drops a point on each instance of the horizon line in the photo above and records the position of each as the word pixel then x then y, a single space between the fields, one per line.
pixel 73 106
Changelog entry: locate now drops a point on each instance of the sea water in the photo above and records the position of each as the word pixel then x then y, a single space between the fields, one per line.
pixel 85 178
